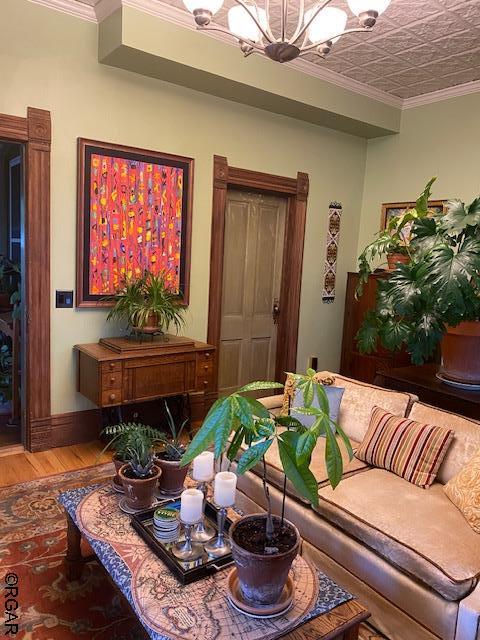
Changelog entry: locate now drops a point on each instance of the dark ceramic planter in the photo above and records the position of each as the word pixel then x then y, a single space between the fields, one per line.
pixel 461 353
pixel 173 475
pixel 262 577
pixel 139 493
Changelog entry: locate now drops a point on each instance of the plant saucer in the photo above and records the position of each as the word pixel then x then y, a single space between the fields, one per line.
pixel 238 602
pixel 126 509
pixel 117 487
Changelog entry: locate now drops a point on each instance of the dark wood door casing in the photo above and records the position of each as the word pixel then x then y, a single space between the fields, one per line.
pixel 296 192
pixel 34 132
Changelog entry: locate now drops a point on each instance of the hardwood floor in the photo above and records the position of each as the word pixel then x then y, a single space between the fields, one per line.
pixel 23 466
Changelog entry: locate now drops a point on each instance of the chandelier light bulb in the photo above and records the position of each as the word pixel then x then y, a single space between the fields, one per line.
pixel 242 24
pixel 327 25
pixel 364 6
pixel 210 6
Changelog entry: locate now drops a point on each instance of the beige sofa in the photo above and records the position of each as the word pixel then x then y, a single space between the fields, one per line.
pixel 406 552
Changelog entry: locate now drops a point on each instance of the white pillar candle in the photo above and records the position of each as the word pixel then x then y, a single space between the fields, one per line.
pixel 203 467
pixel 191 506
pixel 225 487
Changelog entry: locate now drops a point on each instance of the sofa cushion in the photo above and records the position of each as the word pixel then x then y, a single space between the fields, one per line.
pixel 358 400
pixel 420 532
pixel 466 441
pixel 334 396
pixel 275 474
pixel 411 450
pixel 464 492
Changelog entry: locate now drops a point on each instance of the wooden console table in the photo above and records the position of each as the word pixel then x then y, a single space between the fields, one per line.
pixel 422 381
pixel 112 378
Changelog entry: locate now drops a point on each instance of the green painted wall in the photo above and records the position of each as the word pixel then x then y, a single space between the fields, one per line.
pixel 440 139
pixel 49 60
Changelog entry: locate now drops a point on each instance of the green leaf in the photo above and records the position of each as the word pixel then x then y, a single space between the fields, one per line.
pixel 394 333
pixel 333 459
pixel 307 389
pixel 345 438
pixel 322 398
pixel 422 201
pixel 301 477
pixel 457 218
pixel 305 445
pixel 308 411
pixel 243 411
pixel 290 422
pixel 218 419
pixel 258 409
pixel 235 444
pixel 252 456
pixel 260 386
pixel 311 372
pixel 367 335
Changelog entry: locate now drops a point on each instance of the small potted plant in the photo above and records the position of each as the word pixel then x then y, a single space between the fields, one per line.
pixel 121 436
pixel 265 545
pixel 147 304
pixel 394 241
pixel 139 475
pixel 168 459
pixel 9 273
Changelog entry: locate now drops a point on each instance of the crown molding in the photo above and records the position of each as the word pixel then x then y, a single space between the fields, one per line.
pixel 73 8
pixel 172 14
pixel 443 94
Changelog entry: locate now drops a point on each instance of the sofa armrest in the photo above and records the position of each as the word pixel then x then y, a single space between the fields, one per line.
pixel 468 621
pixel 273 403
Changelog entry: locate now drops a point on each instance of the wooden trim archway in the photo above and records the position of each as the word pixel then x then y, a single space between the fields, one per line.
pixel 34 132
pixel 296 192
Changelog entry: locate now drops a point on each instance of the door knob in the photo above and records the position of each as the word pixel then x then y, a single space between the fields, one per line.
pixel 276 310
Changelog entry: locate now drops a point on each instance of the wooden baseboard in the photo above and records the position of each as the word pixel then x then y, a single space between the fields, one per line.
pixel 74 428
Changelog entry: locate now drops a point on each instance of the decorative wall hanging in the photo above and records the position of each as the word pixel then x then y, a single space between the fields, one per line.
pixel 134 214
pixel 333 237
pixel 394 209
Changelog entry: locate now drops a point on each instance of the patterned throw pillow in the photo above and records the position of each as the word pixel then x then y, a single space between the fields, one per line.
pixel 411 450
pixel 464 491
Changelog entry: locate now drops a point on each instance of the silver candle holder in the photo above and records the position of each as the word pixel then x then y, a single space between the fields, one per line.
pixel 186 550
pixel 220 545
pixel 203 532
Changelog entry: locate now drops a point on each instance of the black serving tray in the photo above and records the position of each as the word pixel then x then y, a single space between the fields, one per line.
pixel 186 572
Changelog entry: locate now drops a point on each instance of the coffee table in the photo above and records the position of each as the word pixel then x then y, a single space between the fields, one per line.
pixel 92 513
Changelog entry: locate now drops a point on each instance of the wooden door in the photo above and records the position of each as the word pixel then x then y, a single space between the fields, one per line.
pixel 252 275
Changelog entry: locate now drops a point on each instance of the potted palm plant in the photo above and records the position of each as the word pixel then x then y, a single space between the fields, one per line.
pixel 394 241
pixel 146 303
pixel 265 545
pixel 434 300
pixel 169 457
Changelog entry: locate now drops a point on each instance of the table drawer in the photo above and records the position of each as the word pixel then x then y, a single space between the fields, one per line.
pixel 111 397
pixel 111 367
pixel 111 380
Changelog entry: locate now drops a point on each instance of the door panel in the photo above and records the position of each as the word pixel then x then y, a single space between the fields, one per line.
pixel 252 274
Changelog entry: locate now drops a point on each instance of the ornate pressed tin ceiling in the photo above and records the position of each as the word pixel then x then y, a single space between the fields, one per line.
pixel 416 47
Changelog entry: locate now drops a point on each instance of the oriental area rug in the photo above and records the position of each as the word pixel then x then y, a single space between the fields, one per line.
pixel 33 540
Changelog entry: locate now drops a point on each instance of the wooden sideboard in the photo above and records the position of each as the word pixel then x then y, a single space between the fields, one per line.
pixel 110 379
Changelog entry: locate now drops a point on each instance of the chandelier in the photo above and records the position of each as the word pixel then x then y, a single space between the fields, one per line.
pixel 317 29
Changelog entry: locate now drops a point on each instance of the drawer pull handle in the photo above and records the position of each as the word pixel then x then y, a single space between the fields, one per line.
pixel 112 397
pixel 206 367
pixel 112 365
pixel 207 355
pixel 205 382
pixel 112 379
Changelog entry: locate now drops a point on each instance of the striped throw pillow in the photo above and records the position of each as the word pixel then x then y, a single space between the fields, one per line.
pixel 411 450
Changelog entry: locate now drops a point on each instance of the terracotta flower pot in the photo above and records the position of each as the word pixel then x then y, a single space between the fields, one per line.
pixel 262 576
pixel 139 492
pixel 394 258
pixel 461 353
pixel 118 465
pixel 173 475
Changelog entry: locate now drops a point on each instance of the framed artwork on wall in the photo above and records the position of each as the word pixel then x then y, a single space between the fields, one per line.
pixel 134 210
pixel 394 209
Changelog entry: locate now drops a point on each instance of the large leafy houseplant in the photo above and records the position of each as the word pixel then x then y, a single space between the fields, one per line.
pixel 438 289
pixel 394 241
pixel 147 301
pixel 238 426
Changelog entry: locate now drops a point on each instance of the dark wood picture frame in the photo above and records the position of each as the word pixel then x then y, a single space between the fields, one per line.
pixel 390 206
pixel 295 190
pixel 85 149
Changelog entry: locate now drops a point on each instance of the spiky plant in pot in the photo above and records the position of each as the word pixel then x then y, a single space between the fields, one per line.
pixel 168 459
pixel 239 424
